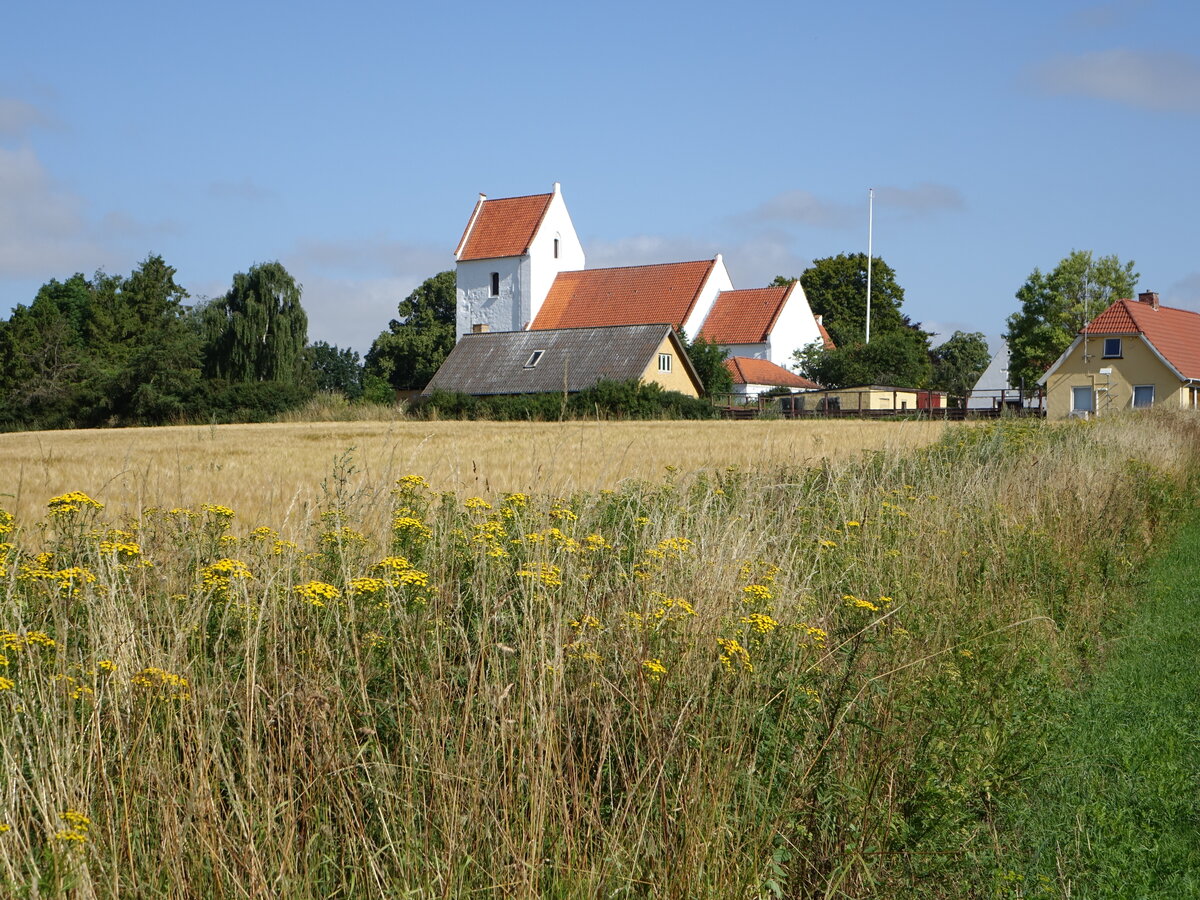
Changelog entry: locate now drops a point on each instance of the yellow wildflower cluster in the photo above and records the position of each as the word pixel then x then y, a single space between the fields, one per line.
pixel 77 827
pixel 813 633
pixel 76 688
pixel 516 501
pixel 399 571
pixel 859 603
pixel 161 682
pixel 562 513
pixel 219 577
pixel 410 483
pixel 65 504
pixel 403 523
pixel 17 643
pixel 734 656
pixel 654 669
pixel 122 549
pixel 477 504
pixel 586 622
pixel 491 534
pixel 549 575
pixel 7 522
pixel 317 593
pixel 760 622
pixel 343 537
pixel 218 512
pixel 756 593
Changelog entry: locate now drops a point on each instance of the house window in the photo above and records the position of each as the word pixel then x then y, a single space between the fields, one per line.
pixel 1083 399
pixel 1143 396
pixel 1112 348
pixel 664 362
pixel 534 358
pixel 495 284
pixel 556 248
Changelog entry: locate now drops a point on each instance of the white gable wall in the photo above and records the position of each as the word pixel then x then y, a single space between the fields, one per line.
pixel 753 351
pixel 543 266
pixel 794 330
pixel 718 280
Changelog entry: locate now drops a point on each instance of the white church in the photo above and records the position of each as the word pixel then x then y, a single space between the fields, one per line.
pixel 521 267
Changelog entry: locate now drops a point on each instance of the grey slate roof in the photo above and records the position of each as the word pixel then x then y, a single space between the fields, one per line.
pixel 497 362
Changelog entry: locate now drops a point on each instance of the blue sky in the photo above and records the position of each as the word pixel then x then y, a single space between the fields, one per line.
pixel 350 142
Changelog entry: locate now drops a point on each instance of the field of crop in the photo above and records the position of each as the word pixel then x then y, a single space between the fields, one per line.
pixel 274 472
pixel 802 672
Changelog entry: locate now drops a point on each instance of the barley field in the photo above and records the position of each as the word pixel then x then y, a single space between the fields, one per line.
pixel 236 665
pixel 274 471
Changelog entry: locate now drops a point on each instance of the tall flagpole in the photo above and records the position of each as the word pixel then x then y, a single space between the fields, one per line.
pixel 870 253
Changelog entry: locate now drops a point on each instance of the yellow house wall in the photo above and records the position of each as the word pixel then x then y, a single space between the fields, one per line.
pixel 675 380
pixel 875 399
pixel 1137 365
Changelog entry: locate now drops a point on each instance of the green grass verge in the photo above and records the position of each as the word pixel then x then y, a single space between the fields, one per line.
pixel 1116 812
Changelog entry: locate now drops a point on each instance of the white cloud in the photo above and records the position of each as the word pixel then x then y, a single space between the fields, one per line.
pixel 923 199
pixel 1185 293
pixel 1166 82
pixel 42 226
pixel 806 208
pixel 351 312
pixel 17 117
pixel 801 207
pixel 375 255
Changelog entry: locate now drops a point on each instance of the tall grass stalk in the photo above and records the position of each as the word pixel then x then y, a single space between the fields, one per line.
pixel 794 681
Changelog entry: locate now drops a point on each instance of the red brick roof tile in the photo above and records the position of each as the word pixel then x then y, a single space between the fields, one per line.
pixel 746 370
pixel 1174 333
pixel 632 295
pixel 826 341
pixel 746 316
pixel 503 227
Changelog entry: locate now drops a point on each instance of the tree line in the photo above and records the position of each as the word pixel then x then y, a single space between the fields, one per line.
pixel 130 349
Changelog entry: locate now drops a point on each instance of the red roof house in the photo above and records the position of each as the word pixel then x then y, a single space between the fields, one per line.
pixel 1134 355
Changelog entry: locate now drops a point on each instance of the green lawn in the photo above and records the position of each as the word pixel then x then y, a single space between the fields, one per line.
pixel 1116 812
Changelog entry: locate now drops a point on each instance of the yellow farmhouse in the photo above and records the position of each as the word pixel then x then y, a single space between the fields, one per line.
pixel 1134 355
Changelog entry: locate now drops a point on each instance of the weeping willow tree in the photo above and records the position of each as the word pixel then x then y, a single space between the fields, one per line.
pixel 258 330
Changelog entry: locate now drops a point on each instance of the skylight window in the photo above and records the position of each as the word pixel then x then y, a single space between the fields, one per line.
pixel 534 358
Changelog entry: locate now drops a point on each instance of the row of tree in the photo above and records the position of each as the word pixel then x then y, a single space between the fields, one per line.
pixel 115 350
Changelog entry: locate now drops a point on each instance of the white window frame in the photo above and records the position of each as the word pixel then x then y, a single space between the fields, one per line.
pixel 534 358
pixel 664 362
pixel 1133 400
pixel 1091 393
pixel 1120 349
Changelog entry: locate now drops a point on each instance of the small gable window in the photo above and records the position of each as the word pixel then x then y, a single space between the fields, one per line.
pixel 1112 348
pixel 534 358
pixel 556 248
pixel 495 284
pixel 664 362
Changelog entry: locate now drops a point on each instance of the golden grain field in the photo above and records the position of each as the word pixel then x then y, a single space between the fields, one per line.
pixel 273 472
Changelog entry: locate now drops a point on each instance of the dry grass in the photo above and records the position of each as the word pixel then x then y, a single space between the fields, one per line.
pixel 273 472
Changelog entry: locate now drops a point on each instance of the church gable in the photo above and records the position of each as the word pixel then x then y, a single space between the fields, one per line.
pixel 502 227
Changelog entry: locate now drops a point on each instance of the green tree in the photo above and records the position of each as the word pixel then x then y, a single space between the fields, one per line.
pixel 417 342
pixel 958 363
pixel 336 369
pixel 708 359
pixel 258 331
pixel 899 358
pixel 836 288
pixel 147 357
pixel 1055 306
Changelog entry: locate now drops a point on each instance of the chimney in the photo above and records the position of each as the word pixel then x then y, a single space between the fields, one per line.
pixel 1149 297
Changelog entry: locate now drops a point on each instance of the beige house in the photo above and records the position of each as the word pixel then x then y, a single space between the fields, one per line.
pixel 867 398
pixel 1134 355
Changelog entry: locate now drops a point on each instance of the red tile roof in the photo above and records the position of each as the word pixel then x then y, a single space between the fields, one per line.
pixel 826 340
pixel 747 316
pixel 746 370
pixel 1174 333
pixel 502 227
pixel 633 295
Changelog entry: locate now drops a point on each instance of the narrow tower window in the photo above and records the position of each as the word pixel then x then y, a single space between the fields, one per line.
pixel 556 248
pixel 495 284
